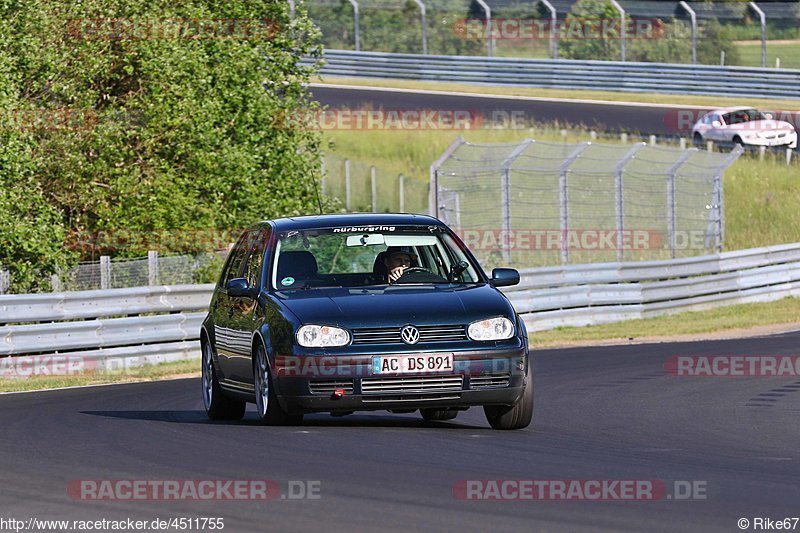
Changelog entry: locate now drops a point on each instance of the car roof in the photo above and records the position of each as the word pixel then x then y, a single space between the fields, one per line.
pixel 350 219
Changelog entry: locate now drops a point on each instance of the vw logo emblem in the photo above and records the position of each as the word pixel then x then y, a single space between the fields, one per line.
pixel 409 334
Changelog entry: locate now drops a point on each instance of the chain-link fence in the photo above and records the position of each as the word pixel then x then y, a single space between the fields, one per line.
pixel 731 33
pixel 365 188
pixel 542 203
pixel 155 269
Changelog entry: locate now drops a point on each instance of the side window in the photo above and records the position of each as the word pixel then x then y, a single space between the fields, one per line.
pixel 255 258
pixel 236 258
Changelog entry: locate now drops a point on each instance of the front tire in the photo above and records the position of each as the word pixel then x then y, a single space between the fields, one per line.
pixel 268 409
pixel 517 416
pixel 218 406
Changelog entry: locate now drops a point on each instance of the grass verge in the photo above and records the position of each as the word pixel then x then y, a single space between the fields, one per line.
pixel 129 375
pixel 734 320
pixel 610 96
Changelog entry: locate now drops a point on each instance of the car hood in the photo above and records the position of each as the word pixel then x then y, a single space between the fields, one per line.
pixel 763 125
pixel 396 305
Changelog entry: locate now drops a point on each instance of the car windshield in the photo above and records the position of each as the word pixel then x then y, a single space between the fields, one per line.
pixel 745 115
pixel 364 256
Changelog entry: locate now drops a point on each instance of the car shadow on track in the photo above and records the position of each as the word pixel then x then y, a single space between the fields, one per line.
pixel 311 421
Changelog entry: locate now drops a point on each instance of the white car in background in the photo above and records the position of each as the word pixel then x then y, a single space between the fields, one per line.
pixel 745 126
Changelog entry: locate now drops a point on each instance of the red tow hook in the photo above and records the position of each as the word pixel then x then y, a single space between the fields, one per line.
pixel 337 394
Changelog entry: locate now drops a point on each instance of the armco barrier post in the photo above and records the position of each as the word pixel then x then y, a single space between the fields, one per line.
pixel 55 283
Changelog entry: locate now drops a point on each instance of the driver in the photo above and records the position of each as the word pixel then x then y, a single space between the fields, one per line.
pixel 397 260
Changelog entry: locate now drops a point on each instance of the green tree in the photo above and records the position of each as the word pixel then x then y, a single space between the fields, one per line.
pixel 714 39
pixel 576 46
pixel 173 122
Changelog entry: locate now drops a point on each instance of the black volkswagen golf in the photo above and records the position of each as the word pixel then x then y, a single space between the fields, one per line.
pixel 357 312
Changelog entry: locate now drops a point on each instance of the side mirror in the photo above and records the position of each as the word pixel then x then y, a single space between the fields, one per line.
pixel 238 288
pixel 504 277
pixel 768 116
pixel 716 123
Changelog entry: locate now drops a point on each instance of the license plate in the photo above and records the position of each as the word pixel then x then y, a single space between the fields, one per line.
pixel 412 364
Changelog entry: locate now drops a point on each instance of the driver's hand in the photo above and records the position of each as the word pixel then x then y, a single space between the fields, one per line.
pixel 396 273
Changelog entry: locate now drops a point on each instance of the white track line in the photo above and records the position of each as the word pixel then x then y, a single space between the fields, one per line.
pixel 505 97
pixel 95 385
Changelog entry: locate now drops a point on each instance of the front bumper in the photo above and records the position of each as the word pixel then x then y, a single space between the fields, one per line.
pixel 310 384
pixel 789 140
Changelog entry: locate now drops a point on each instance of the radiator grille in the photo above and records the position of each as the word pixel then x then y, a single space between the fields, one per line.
pixel 426 334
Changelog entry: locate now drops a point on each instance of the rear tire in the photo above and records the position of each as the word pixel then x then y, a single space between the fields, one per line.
pixel 218 406
pixel 698 140
pixel 438 415
pixel 517 416
pixel 268 409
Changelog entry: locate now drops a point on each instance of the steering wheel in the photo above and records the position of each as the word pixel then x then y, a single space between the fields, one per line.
pixel 415 269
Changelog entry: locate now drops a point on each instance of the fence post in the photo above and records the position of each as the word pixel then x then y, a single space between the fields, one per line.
pixel 763 19
pixel 672 173
pixel 788 156
pixel 55 283
pixel 291 9
pixel 505 198
pixel 553 33
pixel 5 280
pixel 356 25
pixel 622 28
pixel 347 184
pixel 152 267
pixel 373 178
pixel 619 205
pixel 433 187
pixel 489 32
pixel 322 173
pixel 693 17
pixel 105 272
pixel 402 193
pixel 563 196
pixel 424 23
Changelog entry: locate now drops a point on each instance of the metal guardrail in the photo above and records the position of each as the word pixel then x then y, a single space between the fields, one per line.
pixel 90 326
pixel 579 295
pixel 569 74
pixel 138 325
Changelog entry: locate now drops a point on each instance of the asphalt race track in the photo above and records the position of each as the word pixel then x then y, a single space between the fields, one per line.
pixel 645 119
pixel 602 413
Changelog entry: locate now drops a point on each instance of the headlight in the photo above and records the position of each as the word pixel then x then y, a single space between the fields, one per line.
pixel 320 336
pixel 491 329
